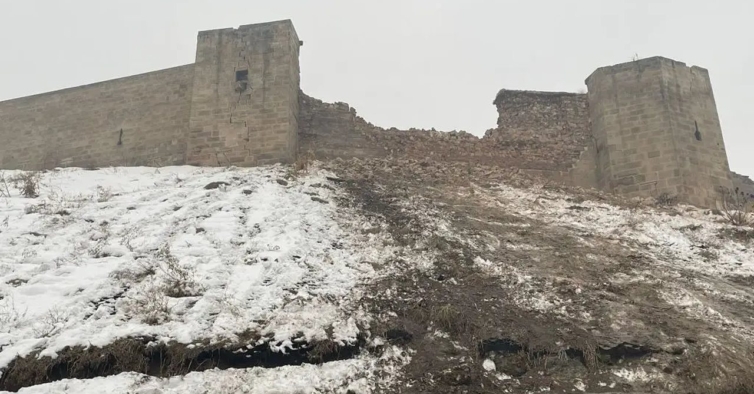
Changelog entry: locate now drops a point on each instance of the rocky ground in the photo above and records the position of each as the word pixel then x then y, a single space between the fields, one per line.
pixel 376 276
pixel 530 287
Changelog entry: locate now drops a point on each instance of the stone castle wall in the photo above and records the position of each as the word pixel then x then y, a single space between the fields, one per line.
pixel 551 128
pixel 537 131
pixel 645 115
pixel 743 184
pixel 645 128
pixel 82 126
pixel 244 102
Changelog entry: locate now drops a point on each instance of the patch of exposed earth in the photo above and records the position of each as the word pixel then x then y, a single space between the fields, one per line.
pixel 527 287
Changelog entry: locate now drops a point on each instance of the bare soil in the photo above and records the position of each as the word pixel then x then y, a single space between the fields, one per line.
pixel 455 316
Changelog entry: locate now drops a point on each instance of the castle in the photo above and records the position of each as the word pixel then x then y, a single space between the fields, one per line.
pixel 644 128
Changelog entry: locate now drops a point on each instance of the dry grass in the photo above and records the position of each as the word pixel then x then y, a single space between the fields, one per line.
pixel 449 319
pixel 58 203
pixel 4 186
pixel 104 194
pixel 179 280
pixel 709 255
pixel 9 314
pixel 133 275
pixel 745 386
pixel 302 165
pixel 736 207
pixel 27 183
pixel 666 200
pixel 321 351
pixel 150 306
pixel 53 320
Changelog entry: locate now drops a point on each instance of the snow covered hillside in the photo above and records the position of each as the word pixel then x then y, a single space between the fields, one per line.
pixel 185 255
pixel 365 277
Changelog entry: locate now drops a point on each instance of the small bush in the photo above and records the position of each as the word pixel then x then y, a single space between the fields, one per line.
pixel 27 183
pixel 151 307
pixel 448 318
pixel 9 314
pixel 50 322
pixel 4 186
pixel 666 200
pixel 103 194
pixel 301 165
pixel 736 206
pixel 179 280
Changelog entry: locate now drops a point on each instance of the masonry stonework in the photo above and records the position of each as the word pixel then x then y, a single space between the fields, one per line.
pixel 140 120
pixel 245 96
pixel 551 129
pixel 645 128
pixel 657 131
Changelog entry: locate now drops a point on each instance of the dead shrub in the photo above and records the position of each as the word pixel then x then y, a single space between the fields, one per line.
pixel 321 351
pixel 179 280
pixel 736 206
pixel 51 321
pixel 301 165
pixel 4 186
pixel 150 306
pixel 666 200
pixel 133 275
pixel 9 314
pixel 709 255
pixel 104 194
pixel 27 183
pixel 448 318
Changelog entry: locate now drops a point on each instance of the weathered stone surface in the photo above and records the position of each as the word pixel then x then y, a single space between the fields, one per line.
pixel 646 128
pixel 139 120
pixel 244 103
pixel 743 183
pixel 657 131
pixel 332 130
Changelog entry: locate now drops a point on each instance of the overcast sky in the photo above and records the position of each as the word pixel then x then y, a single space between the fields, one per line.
pixel 403 63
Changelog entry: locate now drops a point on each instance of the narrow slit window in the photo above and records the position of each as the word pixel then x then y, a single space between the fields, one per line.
pixel 697 133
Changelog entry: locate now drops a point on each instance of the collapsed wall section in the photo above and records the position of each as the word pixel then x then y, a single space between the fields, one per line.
pixel 549 129
pixel 742 184
pixel 138 120
pixel 244 107
pixel 330 130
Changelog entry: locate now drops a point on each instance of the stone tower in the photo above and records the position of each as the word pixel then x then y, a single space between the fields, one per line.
pixel 244 105
pixel 657 131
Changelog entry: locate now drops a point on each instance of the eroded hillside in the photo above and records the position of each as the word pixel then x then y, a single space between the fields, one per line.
pixel 365 276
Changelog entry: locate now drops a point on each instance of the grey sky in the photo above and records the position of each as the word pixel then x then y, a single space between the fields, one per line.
pixel 403 63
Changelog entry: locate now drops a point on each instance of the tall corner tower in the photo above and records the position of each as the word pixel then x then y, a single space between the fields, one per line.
pixel 245 102
pixel 657 131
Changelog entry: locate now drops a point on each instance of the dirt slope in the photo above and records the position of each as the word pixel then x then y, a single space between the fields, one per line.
pixel 355 277
pixel 528 287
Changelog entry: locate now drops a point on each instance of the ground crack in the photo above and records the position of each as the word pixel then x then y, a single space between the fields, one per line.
pixel 144 355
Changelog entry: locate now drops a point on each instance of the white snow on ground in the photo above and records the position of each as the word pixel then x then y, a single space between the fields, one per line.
pixel 356 376
pixel 675 241
pixel 125 252
pixel 668 237
pixel 636 375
